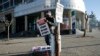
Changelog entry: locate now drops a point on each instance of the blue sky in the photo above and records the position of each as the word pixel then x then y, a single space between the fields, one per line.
pixel 93 5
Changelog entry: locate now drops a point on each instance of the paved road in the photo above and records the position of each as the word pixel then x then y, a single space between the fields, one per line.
pixel 72 45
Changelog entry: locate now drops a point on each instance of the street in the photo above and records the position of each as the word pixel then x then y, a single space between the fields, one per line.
pixel 72 45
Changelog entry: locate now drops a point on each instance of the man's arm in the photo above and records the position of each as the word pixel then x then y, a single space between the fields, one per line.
pixel 52 23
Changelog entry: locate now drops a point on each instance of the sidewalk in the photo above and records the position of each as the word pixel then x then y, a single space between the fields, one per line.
pixel 16 46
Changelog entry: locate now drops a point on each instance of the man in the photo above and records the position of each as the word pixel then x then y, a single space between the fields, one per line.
pixel 51 23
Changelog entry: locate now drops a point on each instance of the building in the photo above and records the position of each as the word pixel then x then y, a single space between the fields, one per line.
pixel 25 13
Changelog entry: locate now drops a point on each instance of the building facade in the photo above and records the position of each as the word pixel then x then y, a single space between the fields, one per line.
pixel 24 13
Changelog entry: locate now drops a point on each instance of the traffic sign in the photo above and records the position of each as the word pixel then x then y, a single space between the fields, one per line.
pixel 59 13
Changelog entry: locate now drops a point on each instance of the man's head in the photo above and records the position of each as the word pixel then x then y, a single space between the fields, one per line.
pixel 48 13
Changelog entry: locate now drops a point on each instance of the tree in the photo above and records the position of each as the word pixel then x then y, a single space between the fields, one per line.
pixel 99 25
pixel 93 21
pixel 86 20
pixel 8 24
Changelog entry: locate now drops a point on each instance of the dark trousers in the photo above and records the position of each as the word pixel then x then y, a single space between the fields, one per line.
pixel 47 39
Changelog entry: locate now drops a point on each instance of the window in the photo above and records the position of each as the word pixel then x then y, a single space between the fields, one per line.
pixel 1 7
pixel 11 2
pixel 4 0
pixel 6 5
pixel 28 1
pixel 17 2
pixel 0 1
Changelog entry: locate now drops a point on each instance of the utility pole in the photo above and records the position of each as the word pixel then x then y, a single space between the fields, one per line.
pixel 57 38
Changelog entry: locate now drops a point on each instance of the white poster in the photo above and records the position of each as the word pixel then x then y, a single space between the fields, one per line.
pixel 59 13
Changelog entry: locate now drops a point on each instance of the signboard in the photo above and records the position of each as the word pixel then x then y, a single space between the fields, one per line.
pixel 43 27
pixel 59 13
